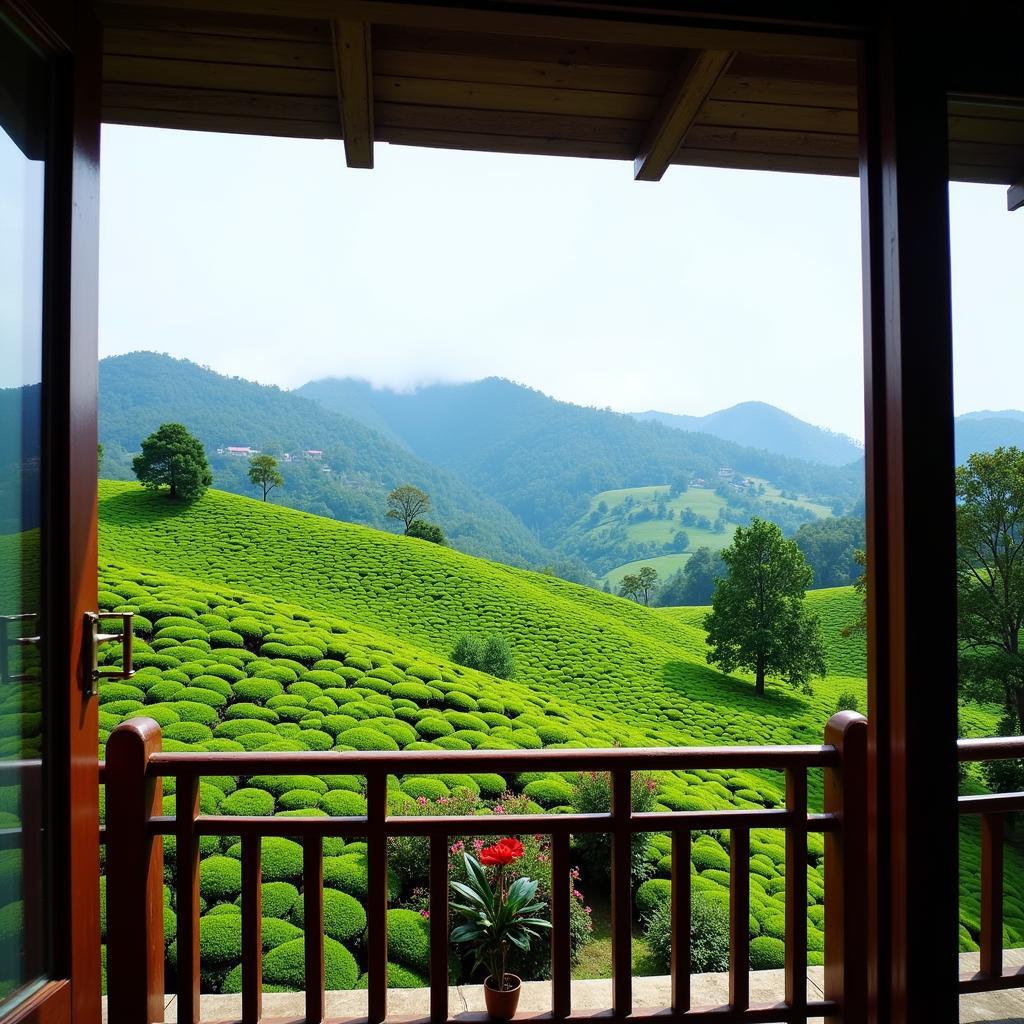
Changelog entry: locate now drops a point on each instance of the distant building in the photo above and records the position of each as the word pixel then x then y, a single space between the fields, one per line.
pixel 239 450
pixel 725 472
pixel 698 482
pixel 313 453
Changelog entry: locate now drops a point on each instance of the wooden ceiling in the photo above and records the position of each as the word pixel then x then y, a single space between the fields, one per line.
pixel 653 94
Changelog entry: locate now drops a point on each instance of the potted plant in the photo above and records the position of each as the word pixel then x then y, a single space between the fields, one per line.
pixel 495 918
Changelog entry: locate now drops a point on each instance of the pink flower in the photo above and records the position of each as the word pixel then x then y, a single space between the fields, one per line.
pixel 457 846
pixel 577 894
pixel 587 910
pixel 425 913
pixel 651 785
pixel 499 808
pixel 422 801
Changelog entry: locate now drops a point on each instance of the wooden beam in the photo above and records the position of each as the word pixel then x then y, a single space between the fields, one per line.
pixel 1015 196
pixel 354 67
pixel 690 31
pixel 693 83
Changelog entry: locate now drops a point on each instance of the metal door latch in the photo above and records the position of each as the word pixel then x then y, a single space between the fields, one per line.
pixel 7 642
pixel 93 638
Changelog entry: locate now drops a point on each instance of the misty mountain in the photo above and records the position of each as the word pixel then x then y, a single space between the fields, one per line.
pixel 760 425
pixel 983 431
pixel 543 459
pixel 141 390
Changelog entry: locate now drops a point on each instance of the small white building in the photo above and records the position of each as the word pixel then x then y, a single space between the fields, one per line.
pixel 240 451
pixel 314 454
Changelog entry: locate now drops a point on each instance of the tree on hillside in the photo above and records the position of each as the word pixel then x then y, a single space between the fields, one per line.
pixel 426 531
pixel 694 584
pixel 758 619
pixel 647 582
pixel 990 578
pixel 99 458
pixel 860 588
pixel 830 546
pixel 629 586
pixel 407 504
pixel 171 457
pixel 263 472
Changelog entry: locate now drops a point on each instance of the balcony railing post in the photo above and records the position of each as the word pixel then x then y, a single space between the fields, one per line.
pixel 135 930
pixel 846 857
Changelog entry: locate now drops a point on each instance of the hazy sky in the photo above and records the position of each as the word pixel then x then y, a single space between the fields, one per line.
pixel 269 259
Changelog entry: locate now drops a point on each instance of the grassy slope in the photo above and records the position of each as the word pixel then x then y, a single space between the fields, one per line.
pixel 606 660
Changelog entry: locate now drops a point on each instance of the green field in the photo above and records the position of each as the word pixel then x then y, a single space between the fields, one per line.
pixel 264 628
pixel 702 501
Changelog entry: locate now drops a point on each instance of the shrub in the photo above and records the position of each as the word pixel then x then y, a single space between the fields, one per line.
pixel 409 940
pixel 365 738
pixel 847 701
pixel 709 935
pixel 433 726
pixel 226 638
pixel 220 879
pixel 282 860
pixel 651 895
pixel 591 794
pixel 491 786
pixel 191 711
pixel 220 939
pixel 286 966
pixel 344 916
pixel 258 689
pixel 347 873
pixel 187 732
pixel 708 855
pixel 412 690
pixel 296 799
pixel 492 655
pixel 279 899
pixel 398 977
pixel 549 792
pixel 425 786
pixel 342 803
pixel 767 953
pixel 236 728
pixel 280 784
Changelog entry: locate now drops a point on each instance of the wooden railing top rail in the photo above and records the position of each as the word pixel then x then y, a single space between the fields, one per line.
pixel 385 762
pixel 990 748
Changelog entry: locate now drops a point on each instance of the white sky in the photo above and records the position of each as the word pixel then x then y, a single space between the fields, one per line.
pixel 269 259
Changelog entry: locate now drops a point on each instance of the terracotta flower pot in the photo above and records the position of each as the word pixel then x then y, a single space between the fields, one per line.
pixel 502 1002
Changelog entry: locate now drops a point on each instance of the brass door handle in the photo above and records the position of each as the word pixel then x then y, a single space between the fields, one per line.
pixel 93 638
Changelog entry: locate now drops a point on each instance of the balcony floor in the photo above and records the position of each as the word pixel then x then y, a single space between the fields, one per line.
pixel 707 990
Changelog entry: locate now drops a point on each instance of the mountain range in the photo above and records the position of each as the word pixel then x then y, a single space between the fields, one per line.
pixel 508 468
pixel 760 425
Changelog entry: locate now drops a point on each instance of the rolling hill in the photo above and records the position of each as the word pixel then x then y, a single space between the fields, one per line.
pixel 760 425
pixel 141 390
pixel 265 628
pixel 545 459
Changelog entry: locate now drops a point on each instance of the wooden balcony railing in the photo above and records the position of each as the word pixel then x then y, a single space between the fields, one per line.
pixel 992 808
pixel 135 826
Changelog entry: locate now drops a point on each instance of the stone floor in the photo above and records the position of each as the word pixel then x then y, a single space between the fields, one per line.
pixel 706 990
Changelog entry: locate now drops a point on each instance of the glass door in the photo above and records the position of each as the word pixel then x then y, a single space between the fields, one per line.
pixel 25 97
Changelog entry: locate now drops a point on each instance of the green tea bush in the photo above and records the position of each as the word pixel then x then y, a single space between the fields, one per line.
pixel 550 792
pixel 344 916
pixel 285 965
pixel 341 803
pixel 767 953
pixel 220 878
pixel 651 895
pixel 365 738
pixel 409 940
pixel 279 899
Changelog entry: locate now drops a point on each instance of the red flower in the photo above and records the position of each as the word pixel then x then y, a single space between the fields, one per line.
pixel 502 852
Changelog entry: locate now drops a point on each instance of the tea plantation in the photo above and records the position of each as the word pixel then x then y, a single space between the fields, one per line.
pixel 261 628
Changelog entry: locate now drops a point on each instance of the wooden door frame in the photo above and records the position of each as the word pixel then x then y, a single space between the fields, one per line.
pixel 67 30
pixel 913 905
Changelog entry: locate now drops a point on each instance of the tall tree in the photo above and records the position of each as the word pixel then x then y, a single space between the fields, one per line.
pixel 629 586
pixel 758 619
pixel 171 457
pixel 263 472
pixel 990 577
pixel 647 582
pixel 407 504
